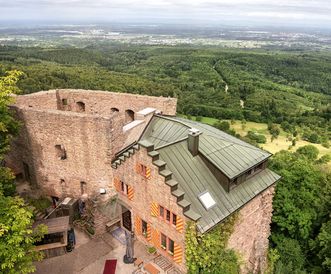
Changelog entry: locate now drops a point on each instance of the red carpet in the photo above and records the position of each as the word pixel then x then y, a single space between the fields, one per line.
pixel 110 267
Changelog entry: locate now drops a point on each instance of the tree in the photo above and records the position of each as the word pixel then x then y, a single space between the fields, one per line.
pixel 309 151
pixel 301 204
pixel 16 234
pixel 17 237
pixel 8 125
pixel 322 245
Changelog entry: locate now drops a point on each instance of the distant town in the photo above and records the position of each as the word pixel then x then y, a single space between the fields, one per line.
pixel 227 37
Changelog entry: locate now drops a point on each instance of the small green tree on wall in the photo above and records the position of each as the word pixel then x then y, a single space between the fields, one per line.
pixel 16 235
pixel 208 253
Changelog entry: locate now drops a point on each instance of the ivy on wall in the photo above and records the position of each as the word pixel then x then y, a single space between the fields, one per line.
pixel 208 253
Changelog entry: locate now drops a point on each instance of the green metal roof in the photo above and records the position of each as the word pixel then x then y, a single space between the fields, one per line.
pixel 188 176
pixel 229 154
pixel 194 178
pixel 164 131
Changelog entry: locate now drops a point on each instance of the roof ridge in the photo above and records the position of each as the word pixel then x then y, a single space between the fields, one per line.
pixel 218 137
pixel 242 145
pixel 172 119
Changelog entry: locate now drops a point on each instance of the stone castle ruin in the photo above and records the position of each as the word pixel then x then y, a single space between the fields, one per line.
pixel 69 137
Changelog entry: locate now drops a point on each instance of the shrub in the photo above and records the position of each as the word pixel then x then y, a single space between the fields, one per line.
pixel 309 151
pixel 259 138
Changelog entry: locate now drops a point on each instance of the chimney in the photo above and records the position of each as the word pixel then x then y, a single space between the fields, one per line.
pixel 193 141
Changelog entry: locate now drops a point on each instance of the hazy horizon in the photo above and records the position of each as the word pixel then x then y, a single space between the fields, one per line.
pixel 257 13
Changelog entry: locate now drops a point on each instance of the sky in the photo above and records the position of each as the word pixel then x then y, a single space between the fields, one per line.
pixel 304 13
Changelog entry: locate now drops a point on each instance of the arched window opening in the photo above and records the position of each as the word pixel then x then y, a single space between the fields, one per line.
pixel 114 110
pixel 129 116
pixel 80 106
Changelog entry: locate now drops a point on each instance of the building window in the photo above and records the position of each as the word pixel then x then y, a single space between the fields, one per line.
pixel 114 110
pixel 80 106
pixel 60 152
pixel 171 246
pixel 174 219
pixel 162 212
pixel 142 170
pixel 82 187
pixel 144 228
pixel 254 170
pixel 167 215
pixel 164 241
pixel 65 102
pixel 124 188
pixel 167 244
pixel 258 168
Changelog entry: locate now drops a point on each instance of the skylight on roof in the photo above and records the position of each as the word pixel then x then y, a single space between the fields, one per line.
pixel 207 200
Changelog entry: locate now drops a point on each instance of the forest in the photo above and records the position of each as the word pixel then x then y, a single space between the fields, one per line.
pixel 287 89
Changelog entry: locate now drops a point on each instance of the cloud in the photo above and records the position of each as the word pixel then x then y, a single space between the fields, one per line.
pixel 317 11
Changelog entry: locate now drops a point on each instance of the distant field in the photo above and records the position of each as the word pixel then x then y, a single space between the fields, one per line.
pixel 281 143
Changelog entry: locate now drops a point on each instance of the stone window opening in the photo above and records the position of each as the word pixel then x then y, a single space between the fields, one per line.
pixel 80 106
pixel 82 187
pixel 63 186
pixel 143 170
pixel 60 152
pixel 64 101
pixel 124 188
pixel 144 228
pixel 114 110
pixel 129 116
pixel 27 174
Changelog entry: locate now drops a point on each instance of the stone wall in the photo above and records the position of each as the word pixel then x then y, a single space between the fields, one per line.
pixel 251 232
pixel 96 102
pixel 147 191
pixel 89 139
pixel 85 140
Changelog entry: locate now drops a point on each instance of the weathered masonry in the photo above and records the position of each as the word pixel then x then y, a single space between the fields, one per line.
pixel 160 170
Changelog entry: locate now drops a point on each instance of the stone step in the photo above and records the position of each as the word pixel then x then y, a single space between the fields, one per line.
pixel 160 164
pixel 154 154
pixel 166 174
pixel 184 204
pixel 173 184
pixel 178 193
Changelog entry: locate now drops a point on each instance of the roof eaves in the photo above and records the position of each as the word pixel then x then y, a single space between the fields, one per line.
pixel 210 226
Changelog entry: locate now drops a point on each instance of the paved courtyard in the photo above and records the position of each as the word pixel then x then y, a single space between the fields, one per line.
pixel 90 255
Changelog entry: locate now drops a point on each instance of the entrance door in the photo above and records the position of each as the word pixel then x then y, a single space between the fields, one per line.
pixel 126 219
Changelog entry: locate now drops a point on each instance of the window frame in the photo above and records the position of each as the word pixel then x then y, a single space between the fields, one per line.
pixel 144 233
pixel 164 216
pixel 124 188
pixel 168 243
pixel 143 170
